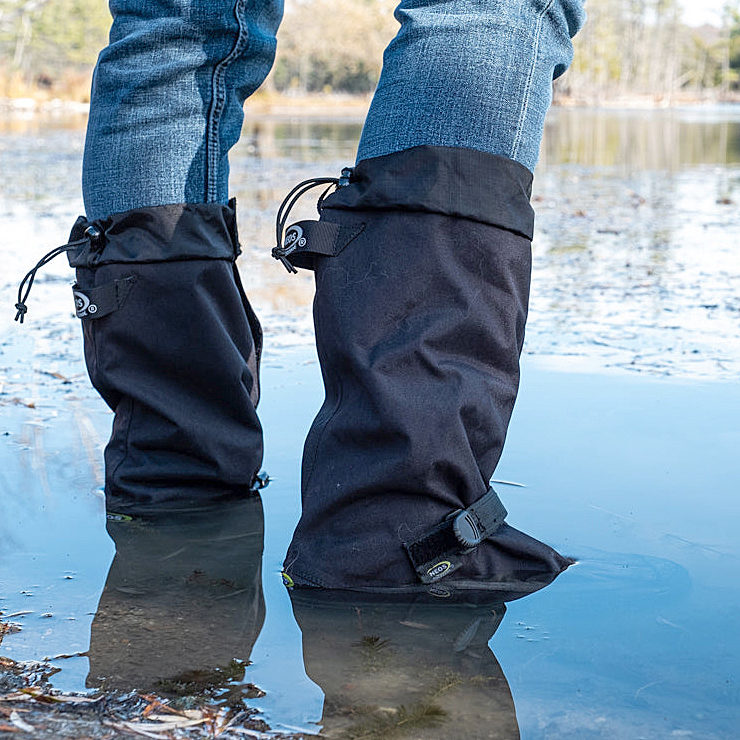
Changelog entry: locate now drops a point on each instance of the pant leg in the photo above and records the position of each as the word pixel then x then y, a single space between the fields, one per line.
pixel 167 97
pixel 471 73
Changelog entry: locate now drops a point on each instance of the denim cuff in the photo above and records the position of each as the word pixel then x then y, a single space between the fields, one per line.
pixel 450 181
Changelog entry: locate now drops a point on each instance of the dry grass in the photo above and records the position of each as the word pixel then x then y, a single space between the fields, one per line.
pixel 69 85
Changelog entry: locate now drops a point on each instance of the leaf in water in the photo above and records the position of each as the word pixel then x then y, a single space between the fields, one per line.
pixel 8 628
pixel 171 722
pixel 415 625
pixel 155 704
pixel 21 402
pixel 250 733
pixel 36 693
pixel 58 376
pixel 66 656
pixel 139 728
pixel 20 724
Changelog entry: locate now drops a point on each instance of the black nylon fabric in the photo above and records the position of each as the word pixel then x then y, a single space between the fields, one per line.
pixel 450 181
pixel 177 361
pixel 163 233
pixel 419 326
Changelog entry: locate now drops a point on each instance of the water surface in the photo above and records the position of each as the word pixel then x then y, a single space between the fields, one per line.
pixel 624 442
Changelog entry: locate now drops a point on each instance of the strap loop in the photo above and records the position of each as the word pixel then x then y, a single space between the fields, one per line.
pixel 306 239
pixel 326 234
pixel 438 552
pixel 94 303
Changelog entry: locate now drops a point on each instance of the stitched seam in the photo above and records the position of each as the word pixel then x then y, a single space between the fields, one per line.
pixel 130 401
pixel 319 431
pixel 530 76
pixel 218 102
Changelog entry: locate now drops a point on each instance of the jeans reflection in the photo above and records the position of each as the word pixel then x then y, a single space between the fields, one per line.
pixel 418 667
pixel 183 604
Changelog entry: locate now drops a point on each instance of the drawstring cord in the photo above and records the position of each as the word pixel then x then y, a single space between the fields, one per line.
pixel 281 252
pixel 91 233
pixel 27 281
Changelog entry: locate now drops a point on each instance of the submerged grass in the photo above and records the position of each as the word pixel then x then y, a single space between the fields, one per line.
pixel 388 724
pixel 374 652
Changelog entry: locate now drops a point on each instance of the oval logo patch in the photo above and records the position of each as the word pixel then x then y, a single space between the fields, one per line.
pixel 438 570
pixel 293 239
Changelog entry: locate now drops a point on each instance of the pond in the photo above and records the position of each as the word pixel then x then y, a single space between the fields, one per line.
pixel 622 453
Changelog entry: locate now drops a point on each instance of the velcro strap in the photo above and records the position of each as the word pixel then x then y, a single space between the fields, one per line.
pixel 438 552
pixel 487 512
pixel 94 303
pixel 306 239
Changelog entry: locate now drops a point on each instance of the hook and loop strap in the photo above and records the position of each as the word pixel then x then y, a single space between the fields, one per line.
pixel 438 552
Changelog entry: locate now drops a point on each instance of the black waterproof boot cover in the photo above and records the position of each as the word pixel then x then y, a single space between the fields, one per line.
pixel 173 346
pixel 422 262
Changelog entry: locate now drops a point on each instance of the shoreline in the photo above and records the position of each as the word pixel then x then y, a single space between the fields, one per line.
pixel 355 106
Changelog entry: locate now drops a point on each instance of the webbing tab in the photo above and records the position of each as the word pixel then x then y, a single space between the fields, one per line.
pixel 306 239
pixel 94 303
pixel 437 553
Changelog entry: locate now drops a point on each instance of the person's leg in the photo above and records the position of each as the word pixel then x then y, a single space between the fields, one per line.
pixel 171 342
pixel 471 73
pixel 167 99
pixel 422 262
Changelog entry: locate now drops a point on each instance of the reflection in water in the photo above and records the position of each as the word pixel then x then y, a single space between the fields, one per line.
pixel 182 606
pixel 418 667
pixel 299 139
pixel 632 140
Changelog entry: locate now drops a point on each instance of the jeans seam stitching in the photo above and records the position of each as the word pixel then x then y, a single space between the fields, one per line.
pixel 213 150
pixel 525 101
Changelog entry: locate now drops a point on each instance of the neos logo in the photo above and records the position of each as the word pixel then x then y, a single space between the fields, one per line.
pixel 83 307
pixel 294 238
pixel 438 570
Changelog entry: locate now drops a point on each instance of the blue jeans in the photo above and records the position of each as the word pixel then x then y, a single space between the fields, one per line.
pixel 168 91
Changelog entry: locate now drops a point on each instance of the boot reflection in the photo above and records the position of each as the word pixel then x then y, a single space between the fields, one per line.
pixel 183 604
pixel 417 668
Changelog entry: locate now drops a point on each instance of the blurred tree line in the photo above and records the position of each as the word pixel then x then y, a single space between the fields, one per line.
pixel 641 47
pixel 628 48
pixel 50 44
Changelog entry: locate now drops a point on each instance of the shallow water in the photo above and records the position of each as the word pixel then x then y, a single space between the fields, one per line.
pixel 624 440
